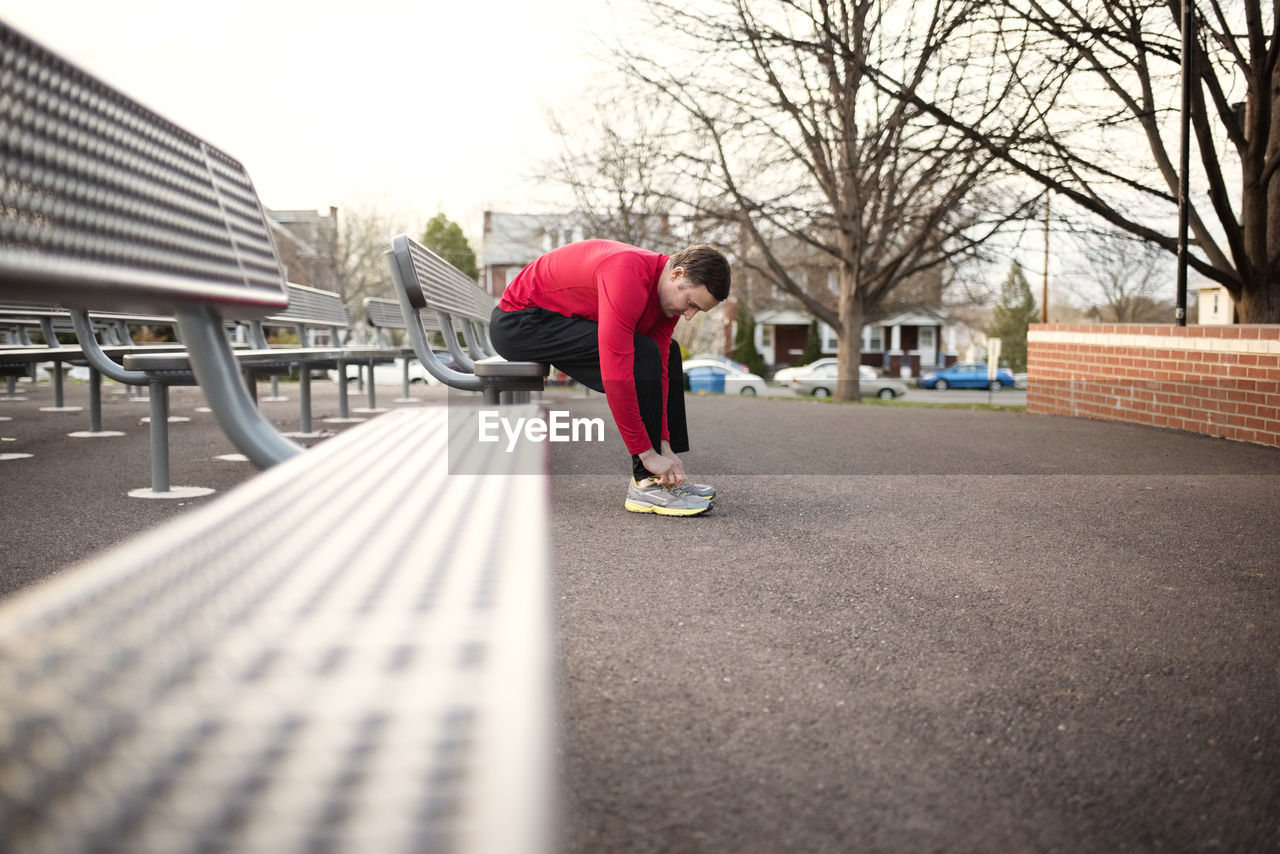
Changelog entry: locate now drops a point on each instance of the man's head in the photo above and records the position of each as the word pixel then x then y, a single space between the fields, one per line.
pixel 695 279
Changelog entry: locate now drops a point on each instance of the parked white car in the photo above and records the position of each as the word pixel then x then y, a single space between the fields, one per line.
pixel 390 373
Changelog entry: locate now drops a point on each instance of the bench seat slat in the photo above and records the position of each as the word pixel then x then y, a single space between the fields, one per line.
pixel 349 663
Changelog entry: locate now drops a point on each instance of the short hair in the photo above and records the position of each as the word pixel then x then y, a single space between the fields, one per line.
pixel 707 266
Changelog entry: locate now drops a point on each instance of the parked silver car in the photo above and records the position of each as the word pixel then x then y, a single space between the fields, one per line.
pixel 784 376
pixel 821 382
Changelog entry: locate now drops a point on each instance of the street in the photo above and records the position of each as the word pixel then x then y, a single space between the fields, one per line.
pixel 1007 397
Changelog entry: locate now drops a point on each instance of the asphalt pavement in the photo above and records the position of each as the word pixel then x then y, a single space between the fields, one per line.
pixel 899 629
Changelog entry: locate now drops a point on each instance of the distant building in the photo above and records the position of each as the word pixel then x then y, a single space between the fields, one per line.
pixel 909 343
pixel 914 336
pixel 307 242
pixel 511 241
pixel 1215 306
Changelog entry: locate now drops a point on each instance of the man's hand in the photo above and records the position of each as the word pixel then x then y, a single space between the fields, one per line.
pixel 666 467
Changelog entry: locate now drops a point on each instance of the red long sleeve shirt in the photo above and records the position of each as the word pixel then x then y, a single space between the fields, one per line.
pixel 615 285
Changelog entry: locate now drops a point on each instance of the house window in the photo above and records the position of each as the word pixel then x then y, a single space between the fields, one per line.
pixel 1216 308
pixel 873 339
pixel 766 336
pixel 830 343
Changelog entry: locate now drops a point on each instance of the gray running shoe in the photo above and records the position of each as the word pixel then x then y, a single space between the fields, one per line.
pixel 648 497
pixel 702 490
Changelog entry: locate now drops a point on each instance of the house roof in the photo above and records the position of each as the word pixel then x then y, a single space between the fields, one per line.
pixel 516 239
pixel 784 317
pixel 919 317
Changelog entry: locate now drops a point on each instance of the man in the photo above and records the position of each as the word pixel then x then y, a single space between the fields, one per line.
pixel 603 313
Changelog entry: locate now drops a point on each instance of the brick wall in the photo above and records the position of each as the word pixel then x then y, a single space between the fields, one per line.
pixel 1219 380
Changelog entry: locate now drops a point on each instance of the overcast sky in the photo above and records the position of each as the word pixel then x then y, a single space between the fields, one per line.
pixel 412 106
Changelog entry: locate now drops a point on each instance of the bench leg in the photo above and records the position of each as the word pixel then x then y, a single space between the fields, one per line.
pixel 216 369
pixel 159 437
pixel 343 412
pixel 58 399
pixel 373 395
pixel 95 400
pixel 304 395
pixel 514 396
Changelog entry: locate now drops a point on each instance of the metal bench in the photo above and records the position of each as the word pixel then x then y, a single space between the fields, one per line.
pixel 311 315
pixel 383 314
pixel 341 654
pixel 426 282
pixel 117 341
pixel 109 207
pixel 312 310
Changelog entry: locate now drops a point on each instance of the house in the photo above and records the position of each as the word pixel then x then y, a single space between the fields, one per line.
pixel 307 242
pixel 915 335
pixel 511 241
pixel 906 344
pixel 1214 305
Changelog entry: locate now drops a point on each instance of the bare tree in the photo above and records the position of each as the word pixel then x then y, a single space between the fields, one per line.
pixel 794 147
pixel 364 236
pixel 615 158
pixel 1124 280
pixel 1103 76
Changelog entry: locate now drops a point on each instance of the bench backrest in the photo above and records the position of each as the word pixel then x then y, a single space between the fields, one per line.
pixel 381 313
pixel 312 309
pixel 440 286
pixel 106 205
pixel 113 327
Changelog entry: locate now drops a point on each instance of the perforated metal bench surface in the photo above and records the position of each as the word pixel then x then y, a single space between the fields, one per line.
pixel 111 207
pixel 312 307
pixel 386 314
pixel 90 169
pixel 440 286
pixel 305 664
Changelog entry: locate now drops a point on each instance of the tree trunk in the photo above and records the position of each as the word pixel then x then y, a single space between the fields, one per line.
pixel 849 356
pixel 1259 305
pixel 1259 300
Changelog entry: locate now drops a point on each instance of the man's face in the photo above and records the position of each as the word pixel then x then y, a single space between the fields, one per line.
pixel 684 298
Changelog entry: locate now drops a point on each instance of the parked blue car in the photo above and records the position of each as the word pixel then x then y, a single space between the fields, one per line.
pixel 966 375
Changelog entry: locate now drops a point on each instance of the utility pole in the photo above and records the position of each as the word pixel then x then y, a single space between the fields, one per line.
pixel 1044 288
pixel 1184 179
